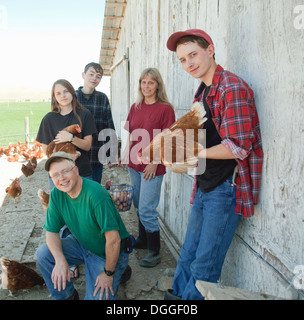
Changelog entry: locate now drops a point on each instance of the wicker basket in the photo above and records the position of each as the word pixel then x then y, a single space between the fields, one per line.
pixel 122 196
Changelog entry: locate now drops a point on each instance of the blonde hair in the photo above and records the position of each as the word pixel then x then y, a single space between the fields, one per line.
pixel 161 95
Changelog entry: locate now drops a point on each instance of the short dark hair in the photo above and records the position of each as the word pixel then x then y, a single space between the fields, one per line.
pixel 199 40
pixel 97 67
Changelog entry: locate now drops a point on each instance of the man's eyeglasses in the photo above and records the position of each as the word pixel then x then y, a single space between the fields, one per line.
pixel 63 173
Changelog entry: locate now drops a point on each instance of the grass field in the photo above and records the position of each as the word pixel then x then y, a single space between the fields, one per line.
pixel 12 120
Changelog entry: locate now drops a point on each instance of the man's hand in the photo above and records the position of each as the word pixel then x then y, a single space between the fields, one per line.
pixel 104 283
pixel 61 272
pixel 60 275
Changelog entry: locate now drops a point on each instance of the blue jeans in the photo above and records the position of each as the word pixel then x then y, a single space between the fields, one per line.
pixel 75 254
pixel 97 172
pixel 211 227
pixel 146 199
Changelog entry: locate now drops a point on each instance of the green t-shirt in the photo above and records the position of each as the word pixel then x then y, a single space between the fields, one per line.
pixel 88 216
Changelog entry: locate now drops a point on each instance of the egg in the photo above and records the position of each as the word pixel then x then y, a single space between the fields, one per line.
pixel 117 196
pixel 124 196
pixel 113 195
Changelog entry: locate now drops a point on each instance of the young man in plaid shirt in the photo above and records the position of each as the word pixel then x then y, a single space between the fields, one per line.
pixel 229 187
pixel 97 102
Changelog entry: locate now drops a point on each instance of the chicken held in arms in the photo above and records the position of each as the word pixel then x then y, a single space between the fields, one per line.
pixel 17 276
pixel 68 146
pixel 178 146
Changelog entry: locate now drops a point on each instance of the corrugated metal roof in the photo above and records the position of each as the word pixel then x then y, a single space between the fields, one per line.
pixel 114 15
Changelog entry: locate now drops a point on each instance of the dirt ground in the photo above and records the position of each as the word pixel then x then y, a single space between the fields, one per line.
pixel 21 233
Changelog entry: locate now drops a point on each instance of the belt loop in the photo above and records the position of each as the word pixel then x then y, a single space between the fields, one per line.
pixel 235 172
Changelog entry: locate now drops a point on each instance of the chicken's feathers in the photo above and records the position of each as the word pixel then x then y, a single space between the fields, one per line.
pixel 17 276
pixel 200 111
pixel 182 167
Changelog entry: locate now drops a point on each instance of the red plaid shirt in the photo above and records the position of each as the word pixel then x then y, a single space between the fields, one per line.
pixel 235 117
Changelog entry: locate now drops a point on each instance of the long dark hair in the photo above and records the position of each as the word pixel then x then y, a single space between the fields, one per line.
pixel 75 104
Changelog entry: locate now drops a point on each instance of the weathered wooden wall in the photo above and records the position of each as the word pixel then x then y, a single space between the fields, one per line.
pixel 258 41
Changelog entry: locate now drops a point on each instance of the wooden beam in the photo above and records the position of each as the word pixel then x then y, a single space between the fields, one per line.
pixel 103 56
pixel 108 49
pixel 116 4
pixel 111 29
pixel 109 40
pixel 113 18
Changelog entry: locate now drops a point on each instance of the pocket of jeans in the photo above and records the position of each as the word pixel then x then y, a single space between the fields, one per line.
pixel 225 189
pixel 220 201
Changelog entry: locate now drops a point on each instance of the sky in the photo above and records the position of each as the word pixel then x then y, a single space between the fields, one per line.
pixel 42 41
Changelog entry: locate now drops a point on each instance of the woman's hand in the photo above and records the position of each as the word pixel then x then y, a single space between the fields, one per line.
pixel 63 136
pixel 149 171
pixel 85 143
pixel 124 160
pixel 104 283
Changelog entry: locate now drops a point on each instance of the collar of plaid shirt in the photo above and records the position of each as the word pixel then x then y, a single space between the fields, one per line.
pixel 234 114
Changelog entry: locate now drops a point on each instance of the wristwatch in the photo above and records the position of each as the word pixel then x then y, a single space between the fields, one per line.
pixel 108 273
pixel 72 139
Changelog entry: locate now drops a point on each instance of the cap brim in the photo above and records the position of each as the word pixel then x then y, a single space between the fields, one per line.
pixel 57 155
pixel 173 39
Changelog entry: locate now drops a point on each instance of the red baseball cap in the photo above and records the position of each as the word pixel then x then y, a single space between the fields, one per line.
pixel 172 41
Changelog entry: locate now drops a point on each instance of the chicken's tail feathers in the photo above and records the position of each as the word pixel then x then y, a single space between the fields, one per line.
pixel 199 109
pixel 3 264
pixel 2 259
pixel 40 193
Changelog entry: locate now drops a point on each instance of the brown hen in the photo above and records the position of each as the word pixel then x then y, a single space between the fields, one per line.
pixel 16 276
pixel 34 162
pixel 44 198
pixel 14 190
pixel 178 146
pixel 67 147
pixel 28 169
pixel 13 158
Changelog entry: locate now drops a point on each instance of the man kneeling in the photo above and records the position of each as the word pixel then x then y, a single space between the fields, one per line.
pixel 97 236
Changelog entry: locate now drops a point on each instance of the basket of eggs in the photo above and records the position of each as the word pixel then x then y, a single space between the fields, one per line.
pixel 122 196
